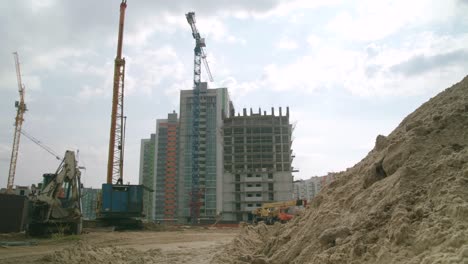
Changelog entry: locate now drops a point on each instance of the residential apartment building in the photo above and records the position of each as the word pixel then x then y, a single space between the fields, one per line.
pixel 308 189
pixel 147 174
pixel 199 185
pixel 257 162
pixel 166 168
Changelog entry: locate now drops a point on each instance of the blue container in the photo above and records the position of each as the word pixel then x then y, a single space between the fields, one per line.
pixel 122 200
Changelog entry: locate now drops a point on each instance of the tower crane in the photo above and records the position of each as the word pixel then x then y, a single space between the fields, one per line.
pixel 20 109
pixel 199 55
pixel 116 153
pixel 199 52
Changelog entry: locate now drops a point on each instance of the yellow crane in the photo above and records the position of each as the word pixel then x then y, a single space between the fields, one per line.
pixel 20 109
pixel 117 129
pixel 273 212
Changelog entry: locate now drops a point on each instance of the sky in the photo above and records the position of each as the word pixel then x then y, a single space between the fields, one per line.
pixel 348 70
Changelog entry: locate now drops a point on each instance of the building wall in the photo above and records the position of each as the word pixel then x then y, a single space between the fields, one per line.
pixel 166 168
pixel 147 175
pixel 214 103
pixel 257 162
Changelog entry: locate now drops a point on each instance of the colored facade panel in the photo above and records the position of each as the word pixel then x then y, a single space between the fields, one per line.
pixel 166 168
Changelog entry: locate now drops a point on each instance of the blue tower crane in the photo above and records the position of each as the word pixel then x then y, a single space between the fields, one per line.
pixel 199 56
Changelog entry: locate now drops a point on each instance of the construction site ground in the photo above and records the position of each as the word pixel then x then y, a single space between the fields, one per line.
pixel 177 245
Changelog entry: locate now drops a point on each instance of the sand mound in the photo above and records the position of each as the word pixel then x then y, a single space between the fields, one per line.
pixel 83 253
pixel 406 202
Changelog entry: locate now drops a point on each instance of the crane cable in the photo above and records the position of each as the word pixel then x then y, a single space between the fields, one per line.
pixel 40 144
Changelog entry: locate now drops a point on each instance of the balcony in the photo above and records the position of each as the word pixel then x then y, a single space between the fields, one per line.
pixel 253 189
pixel 253 199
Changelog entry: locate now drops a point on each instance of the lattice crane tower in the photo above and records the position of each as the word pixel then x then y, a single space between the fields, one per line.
pixel 199 55
pixel 117 129
pixel 20 109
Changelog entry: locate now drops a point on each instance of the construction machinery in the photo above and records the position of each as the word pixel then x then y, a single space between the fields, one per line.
pixel 196 193
pixel 120 204
pixel 276 211
pixel 20 110
pixel 56 206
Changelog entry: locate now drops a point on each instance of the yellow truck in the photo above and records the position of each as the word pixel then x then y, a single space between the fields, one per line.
pixel 276 211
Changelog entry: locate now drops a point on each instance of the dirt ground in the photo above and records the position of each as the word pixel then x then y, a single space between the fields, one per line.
pixel 183 245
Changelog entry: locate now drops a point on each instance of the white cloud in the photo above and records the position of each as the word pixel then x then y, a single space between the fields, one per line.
pixel 368 72
pixel 323 144
pixel 8 80
pixel 56 59
pixel 285 8
pixel 374 20
pixel 239 89
pixel 314 41
pixel 87 92
pixel 286 43
pixel 5 151
pixel 213 28
pixel 37 5
pixel 150 67
pixel 173 91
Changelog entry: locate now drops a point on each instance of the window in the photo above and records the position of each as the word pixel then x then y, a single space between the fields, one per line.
pixel 249 205
pixel 258 175
pixel 249 185
pixel 258 185
pixel 270 175
pixel 258 195
pixel 249 195
pixel 249 175
pixel 270 197
pixel 258 205
pixel 270 187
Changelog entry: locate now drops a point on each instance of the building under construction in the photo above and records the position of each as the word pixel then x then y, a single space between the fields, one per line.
pixel 257 162
pixel 214 106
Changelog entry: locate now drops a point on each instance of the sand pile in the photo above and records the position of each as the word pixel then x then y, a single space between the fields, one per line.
pixel 84 252
pixel 406 202
pixel 87 254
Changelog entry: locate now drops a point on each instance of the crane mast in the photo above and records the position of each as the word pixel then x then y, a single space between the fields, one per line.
pixel 115 160
pixel 196 194
pixel 20 109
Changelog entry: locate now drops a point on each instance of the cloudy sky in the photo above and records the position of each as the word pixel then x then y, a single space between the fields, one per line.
pixel 348 70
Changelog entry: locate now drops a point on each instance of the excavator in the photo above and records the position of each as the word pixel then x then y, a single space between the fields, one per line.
pixel 274 212
pixel 56 206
